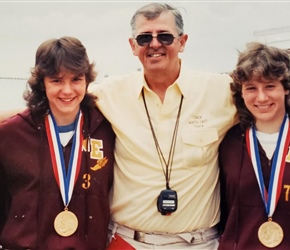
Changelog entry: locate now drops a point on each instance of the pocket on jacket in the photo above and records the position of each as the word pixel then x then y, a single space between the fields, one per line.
pixel 199 146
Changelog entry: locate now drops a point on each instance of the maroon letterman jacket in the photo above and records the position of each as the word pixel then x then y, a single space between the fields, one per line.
pixel 243 211
pixel 30 198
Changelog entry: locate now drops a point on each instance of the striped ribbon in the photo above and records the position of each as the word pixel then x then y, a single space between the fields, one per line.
pixel 65 179
pixel 271 197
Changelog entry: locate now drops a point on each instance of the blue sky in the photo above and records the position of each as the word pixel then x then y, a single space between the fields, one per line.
pixel 216 29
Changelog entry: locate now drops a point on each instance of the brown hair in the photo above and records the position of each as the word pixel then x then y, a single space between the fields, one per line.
pixel 52 56
pixel 259 61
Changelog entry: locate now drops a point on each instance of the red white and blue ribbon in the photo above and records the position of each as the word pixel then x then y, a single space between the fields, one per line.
pixel 65 178
pixel 271 197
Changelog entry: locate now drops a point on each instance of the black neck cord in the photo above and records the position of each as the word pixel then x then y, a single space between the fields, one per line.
pixel 168 165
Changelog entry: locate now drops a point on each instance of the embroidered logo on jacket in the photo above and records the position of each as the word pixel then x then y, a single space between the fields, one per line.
pixel 100 164
pixel 95 148
pixel 197 121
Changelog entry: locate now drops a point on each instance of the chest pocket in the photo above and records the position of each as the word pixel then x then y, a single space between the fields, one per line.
pixel 199 146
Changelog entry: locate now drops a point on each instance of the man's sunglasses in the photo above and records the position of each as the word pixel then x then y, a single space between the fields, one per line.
pixel 163 38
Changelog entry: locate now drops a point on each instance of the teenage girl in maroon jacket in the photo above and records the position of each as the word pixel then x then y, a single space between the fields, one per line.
pixel 254 155
pixel 56 158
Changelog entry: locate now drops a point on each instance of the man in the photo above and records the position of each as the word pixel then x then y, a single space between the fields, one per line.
pixel 168 122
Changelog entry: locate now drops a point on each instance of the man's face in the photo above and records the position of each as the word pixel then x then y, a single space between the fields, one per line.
pixel 155 55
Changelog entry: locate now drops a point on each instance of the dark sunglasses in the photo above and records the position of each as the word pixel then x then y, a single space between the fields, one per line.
pixel 163 38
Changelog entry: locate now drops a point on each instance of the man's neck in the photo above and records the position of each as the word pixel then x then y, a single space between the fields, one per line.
pixel 160 81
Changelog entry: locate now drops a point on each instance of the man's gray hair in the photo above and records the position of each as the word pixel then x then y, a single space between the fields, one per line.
pixel 153 10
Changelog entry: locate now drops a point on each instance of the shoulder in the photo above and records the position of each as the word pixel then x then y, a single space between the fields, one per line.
pixel 231 149
pixel 95 118
pixel 206 76
pixel 16 119
pixel 97 127
pixel 95 115
pixel 115 82
pixel 234 135
pixel 208 84
pixel 235 131
pixel 121 78
pixel 17 125
pixel 215 80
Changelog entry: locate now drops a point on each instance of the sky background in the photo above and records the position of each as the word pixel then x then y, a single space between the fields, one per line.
pixel 216 29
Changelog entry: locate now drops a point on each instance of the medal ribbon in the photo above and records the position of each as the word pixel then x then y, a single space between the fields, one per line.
pixel 271 197
pixel 65 179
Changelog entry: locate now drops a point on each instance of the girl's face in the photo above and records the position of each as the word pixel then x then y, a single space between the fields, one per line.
pixel 265 100
pixel 65 92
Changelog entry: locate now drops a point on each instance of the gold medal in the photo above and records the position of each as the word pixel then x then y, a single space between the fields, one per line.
pixel 270 234
pixel 65 223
